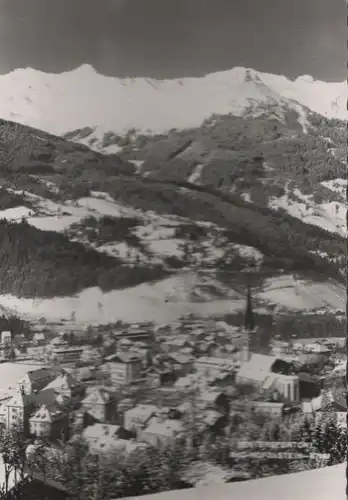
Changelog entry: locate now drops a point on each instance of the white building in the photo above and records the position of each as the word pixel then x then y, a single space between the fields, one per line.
pixel 124 368
pixel 286 385
pixel 258 373
pixel 6 338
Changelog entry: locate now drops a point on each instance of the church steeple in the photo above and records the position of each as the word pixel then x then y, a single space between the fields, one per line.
pixel 249 327
pixel 249 323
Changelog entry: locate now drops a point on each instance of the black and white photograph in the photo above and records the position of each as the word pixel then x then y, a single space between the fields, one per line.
pixel 173 222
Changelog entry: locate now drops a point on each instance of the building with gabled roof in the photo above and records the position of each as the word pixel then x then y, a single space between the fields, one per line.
pixel 125 368
pixel 66 385
pixel 49 421
pixel 17 410
pixel 100 404
pixel 162 432
pixel 136 418
pixel 260 370
pixel 35 380
pixel 328 401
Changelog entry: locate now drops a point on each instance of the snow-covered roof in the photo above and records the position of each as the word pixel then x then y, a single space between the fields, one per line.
pixel 317 403
pixel 39 336
pixel 257 368
pixel 319 484
pixel 99 394
pixel 266 404
pixel 316 348
pixel 270 380
pixel 98 431
pixel 168 428
pixel 209 396
pixel 142 411
pixel 187 381
pixel 64 380
pixel 49 413
pixel 213 360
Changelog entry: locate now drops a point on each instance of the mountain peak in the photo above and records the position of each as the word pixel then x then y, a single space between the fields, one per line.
pixel 305 78
pixel 84 69
pixel 252 76
pixel 74 100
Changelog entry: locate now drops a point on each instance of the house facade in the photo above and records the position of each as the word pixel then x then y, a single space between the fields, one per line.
pixel 64 355
pixel 124 368
pixel 101 405
pixel 17 411
pixel 50 422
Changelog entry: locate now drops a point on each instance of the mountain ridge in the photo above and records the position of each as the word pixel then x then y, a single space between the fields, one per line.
pixel 82 99
pixel 174 222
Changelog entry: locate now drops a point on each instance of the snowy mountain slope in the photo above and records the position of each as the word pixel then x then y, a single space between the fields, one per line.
pixel 168 222
pixel 194 286
pixel 331 216
pixel 93 105
pixel 264 161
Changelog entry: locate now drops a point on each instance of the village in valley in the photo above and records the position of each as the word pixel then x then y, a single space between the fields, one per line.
pixel 201 384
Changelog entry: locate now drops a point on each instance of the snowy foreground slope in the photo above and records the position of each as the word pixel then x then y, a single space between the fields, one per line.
pixel 328 483
pixel 83 98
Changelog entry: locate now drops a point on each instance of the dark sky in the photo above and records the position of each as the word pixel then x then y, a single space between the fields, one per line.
pixel 173 38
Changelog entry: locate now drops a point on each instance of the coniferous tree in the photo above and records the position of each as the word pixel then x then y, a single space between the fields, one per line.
pixel 306 431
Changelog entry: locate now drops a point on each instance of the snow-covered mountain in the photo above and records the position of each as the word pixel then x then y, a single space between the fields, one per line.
pixel 251 174
pixel 85 101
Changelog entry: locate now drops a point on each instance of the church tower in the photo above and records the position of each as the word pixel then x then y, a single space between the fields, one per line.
pixel 249 329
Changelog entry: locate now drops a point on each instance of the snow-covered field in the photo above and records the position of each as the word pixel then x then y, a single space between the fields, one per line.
pixel 329 216
pixel 328 483
pixel 338 186
pixel 162 302
pixel 293 294
pixel 50 216
pixel 10 373
pixel 168 300
pixel 83 98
